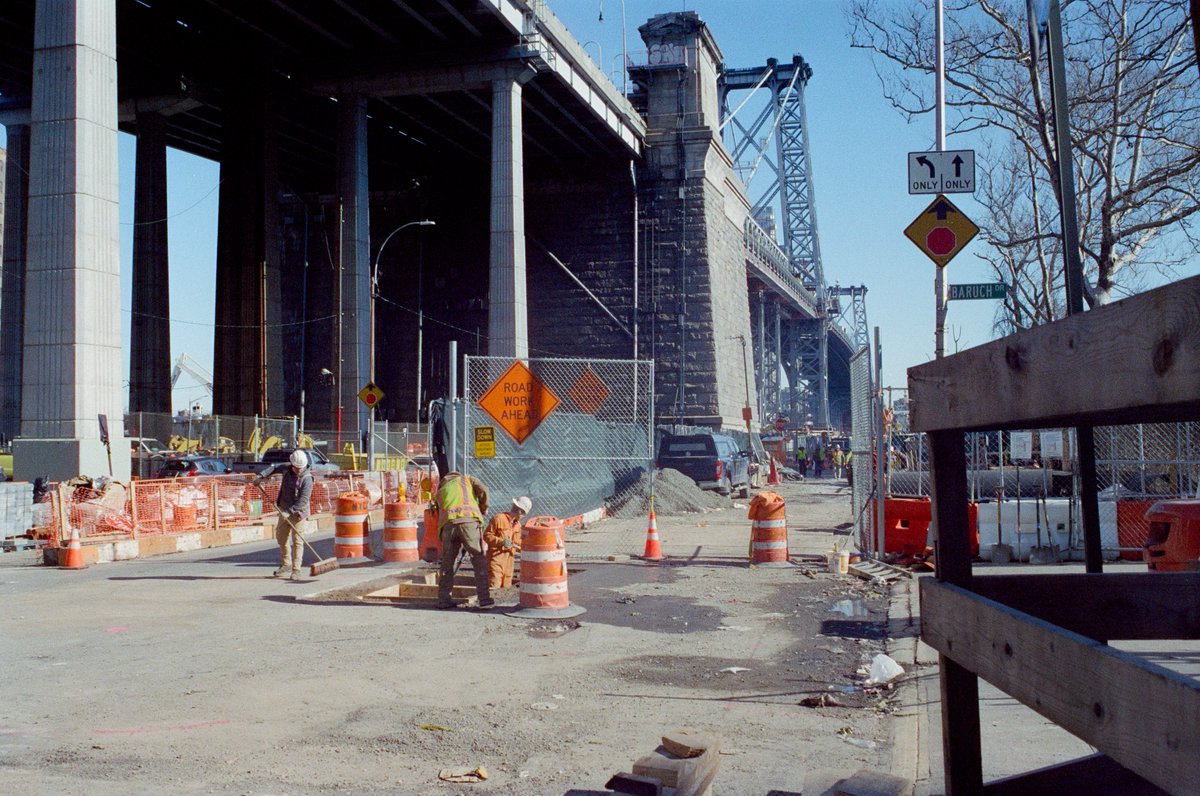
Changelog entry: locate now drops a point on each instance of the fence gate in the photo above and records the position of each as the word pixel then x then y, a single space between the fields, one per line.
pixel 575 435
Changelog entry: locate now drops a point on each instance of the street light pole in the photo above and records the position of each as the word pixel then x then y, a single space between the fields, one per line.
pixel 374 293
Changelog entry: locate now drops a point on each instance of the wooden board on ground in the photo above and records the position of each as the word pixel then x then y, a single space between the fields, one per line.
pixel 686 742
pixel 874 783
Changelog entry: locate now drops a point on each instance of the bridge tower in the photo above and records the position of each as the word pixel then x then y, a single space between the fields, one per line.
pixel 777 138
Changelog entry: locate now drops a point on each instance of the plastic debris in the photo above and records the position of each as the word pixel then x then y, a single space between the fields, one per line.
pixel 884 669
pixel 435 728
pixel 735 669
pixel 822 701
pixel 477 774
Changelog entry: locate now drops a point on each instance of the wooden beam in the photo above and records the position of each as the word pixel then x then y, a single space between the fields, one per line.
pixel 1140 605
pixel 1084 776
pixel 1137 360
pixel 1140 714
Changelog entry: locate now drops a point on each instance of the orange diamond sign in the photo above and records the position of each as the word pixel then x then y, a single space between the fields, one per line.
pixel 519 401
pixel 588 392
pixel 941 231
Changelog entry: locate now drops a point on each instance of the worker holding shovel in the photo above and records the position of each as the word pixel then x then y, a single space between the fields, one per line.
pixel 293 506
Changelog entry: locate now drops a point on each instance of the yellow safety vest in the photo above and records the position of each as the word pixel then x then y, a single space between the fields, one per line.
pixel 456 501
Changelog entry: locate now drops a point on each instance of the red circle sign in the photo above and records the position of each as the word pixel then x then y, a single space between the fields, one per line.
pixel 941 241
pixel 780 423
pixel 370 399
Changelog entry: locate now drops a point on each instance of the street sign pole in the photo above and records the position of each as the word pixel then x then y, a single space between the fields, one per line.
pixel 939 277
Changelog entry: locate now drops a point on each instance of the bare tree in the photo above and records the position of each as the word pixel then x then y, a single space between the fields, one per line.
pixel 1135 129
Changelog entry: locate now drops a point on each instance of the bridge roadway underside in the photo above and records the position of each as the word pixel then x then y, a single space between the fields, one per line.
pixel 336 124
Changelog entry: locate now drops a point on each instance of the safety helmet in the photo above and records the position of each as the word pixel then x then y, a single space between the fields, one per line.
pixel 298 459
pixel 522 504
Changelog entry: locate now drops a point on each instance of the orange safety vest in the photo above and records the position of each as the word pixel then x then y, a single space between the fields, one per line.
pixel 456 501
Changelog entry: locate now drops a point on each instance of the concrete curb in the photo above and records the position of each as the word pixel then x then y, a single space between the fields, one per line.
pixel 912 730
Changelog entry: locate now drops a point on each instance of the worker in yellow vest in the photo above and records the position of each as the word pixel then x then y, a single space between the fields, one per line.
pixel 461 503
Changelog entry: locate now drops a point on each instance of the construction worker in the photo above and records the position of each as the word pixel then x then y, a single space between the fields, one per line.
pixel 293 506
pixel 838 460
pixel 503 537
pixel 849 462
pixel 802 460
pixel 461 503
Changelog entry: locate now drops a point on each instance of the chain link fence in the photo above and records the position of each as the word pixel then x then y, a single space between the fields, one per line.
pixel 862 436
pixel 156 436
pixel 1135 466
pixel 592 450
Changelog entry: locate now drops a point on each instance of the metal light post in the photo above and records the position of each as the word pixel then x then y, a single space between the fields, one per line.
pixel 374 293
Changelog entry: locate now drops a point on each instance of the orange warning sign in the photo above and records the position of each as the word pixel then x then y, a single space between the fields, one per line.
pixel 589 392
pixel 519 401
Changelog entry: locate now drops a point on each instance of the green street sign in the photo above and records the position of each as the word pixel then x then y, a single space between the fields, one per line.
pixel 986 290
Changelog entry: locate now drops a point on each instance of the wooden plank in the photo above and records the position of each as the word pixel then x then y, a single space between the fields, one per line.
pixel 1137 360
pixel 686 742
pixel 1084 776
pixel 1141 715
pixel 660 765
pixel 1135 605
pixel 699 772
pixel 634 784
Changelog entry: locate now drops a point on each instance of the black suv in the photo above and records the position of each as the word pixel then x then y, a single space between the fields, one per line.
pixel 713 461
pixel 192 466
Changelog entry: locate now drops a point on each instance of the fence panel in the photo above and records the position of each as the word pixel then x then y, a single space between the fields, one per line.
pixel 862 446
pixel 592 450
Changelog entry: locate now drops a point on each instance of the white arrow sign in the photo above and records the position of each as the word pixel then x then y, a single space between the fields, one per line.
pixel 941 172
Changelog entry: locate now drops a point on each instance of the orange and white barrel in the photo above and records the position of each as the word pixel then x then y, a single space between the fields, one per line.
pixel 350 526
pixel 543 578
pixel 768 535
pixel 400 533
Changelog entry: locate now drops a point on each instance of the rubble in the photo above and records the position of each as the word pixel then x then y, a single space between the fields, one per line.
pixel 674 493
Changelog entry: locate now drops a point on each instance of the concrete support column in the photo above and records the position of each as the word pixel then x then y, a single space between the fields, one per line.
pixel 354 295
pixel 508 321
pixel 12 278
pixel 247 360
pixel 72 346
pixel 150 327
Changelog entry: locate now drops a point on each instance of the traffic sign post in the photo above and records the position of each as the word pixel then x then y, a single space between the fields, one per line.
pixel 941 231
pixel 985 290
pixel 941 172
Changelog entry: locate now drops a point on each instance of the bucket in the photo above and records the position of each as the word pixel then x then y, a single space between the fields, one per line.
pixel 838 561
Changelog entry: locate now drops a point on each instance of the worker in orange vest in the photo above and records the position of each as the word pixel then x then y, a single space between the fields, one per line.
pixel 461 502
pixel 503 538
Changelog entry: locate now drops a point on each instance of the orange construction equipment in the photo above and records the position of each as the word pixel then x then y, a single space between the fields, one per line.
pixel 653 548
pixel 773 476
pixel 72 556
pixel 1173 544
pixel 768 530
pixel 400 533
pixel 544 570
pixel 432 543
pixel 350 526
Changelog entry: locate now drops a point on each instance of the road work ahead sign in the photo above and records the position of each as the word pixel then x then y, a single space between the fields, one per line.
pixel 519 401
pixel 941 172
pixel 941 231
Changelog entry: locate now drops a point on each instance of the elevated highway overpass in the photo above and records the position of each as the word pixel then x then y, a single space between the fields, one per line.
pixel 335 124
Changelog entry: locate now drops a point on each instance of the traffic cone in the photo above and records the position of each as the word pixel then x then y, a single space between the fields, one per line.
pixel 72 556
pixel 773 476
pixel 653 549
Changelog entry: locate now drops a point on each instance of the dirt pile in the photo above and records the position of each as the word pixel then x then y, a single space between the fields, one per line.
pixel 674 493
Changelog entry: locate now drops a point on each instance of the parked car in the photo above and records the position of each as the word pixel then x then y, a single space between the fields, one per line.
pixel 192 466
pixel 713 461
pixel 276 459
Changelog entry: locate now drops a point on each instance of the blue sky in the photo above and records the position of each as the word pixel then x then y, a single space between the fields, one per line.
pixel 859 147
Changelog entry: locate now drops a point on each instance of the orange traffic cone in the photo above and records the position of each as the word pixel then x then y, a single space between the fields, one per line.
pixel 773 476
pixel 653 549
pixel 72 556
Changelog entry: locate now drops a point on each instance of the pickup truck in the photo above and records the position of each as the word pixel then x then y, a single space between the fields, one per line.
pixel 276 459
pixel 713 461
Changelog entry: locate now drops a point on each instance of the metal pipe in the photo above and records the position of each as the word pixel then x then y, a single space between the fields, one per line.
pixel 939 83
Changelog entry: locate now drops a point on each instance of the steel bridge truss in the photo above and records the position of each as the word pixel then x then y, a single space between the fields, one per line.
pixel 777 139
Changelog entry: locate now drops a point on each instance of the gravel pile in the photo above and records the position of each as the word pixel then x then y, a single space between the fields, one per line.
pixel 674 493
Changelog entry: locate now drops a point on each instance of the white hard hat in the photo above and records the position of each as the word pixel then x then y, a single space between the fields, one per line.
pixel 523 503
pixel 299 459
